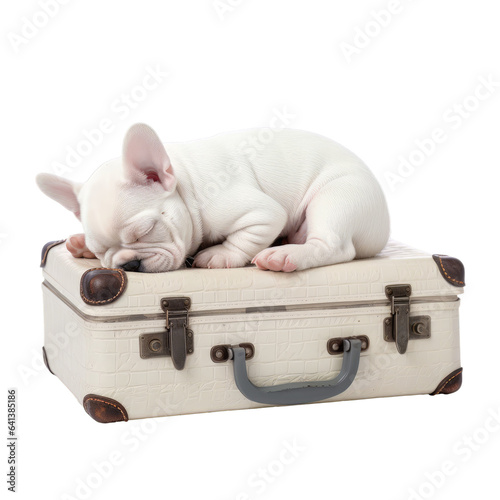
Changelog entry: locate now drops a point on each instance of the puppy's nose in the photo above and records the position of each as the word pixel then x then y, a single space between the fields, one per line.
pixel 133 265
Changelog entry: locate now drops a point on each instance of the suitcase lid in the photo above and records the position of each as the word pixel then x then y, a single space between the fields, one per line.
pixel 244 289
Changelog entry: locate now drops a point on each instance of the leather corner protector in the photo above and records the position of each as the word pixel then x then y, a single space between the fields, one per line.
pixel 452 270
pixel 102 285
pixel 46 248
pixel 104 410
pixel 450 384
pixel 46 361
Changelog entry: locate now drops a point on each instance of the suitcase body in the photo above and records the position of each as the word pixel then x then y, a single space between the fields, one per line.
pixel 132 345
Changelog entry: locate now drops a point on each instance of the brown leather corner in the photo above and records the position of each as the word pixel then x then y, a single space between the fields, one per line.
pixel 45 360
pixel 104 410
pixel 452 269
pixel 101 285
pixel 450 384
pixel 46 248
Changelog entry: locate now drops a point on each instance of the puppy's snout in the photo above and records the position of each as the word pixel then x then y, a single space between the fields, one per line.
pixel 133 265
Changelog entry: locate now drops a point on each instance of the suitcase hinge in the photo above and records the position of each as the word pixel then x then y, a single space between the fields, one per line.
pixel 177 340
pixel 401 327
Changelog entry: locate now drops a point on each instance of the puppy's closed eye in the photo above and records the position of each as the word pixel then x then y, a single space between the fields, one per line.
pixel 144 233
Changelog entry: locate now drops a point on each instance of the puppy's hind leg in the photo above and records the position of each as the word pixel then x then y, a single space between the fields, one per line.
pixel 335 217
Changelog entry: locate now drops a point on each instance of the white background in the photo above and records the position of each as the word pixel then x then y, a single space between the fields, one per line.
pixel 229 70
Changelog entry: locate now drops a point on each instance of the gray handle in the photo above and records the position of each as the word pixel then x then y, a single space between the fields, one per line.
pixel 298 392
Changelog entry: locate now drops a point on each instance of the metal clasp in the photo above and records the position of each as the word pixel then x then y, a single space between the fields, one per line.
pixel 399 295
pixel 177 341
pixel 401 327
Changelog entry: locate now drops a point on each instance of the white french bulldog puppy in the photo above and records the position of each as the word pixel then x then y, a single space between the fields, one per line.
pixel 232 195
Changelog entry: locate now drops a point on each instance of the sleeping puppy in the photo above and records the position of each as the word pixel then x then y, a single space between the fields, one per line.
pixel 231 196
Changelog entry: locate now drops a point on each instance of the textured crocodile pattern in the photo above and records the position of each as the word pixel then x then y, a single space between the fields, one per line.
pixel 217 289
pixel 103 358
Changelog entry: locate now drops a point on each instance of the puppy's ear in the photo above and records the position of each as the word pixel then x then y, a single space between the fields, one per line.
pixel 145 159
pixel 61 190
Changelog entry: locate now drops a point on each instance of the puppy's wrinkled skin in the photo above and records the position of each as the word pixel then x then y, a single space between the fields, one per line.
pixel 231 196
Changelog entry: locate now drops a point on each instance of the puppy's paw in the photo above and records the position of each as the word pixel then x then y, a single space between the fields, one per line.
pixel 219 257
pixel 76 246
pixel 282 258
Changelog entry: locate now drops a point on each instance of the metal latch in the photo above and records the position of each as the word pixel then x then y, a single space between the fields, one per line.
pixel 177 339
pixel 401 327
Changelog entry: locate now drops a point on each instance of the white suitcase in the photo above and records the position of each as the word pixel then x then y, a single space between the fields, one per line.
pixel 246 338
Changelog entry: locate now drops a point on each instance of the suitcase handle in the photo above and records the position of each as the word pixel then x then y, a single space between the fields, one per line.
pixel 298 392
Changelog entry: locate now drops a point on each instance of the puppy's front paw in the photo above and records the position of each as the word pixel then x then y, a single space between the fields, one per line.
pixel 77 247
pixel 219 257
